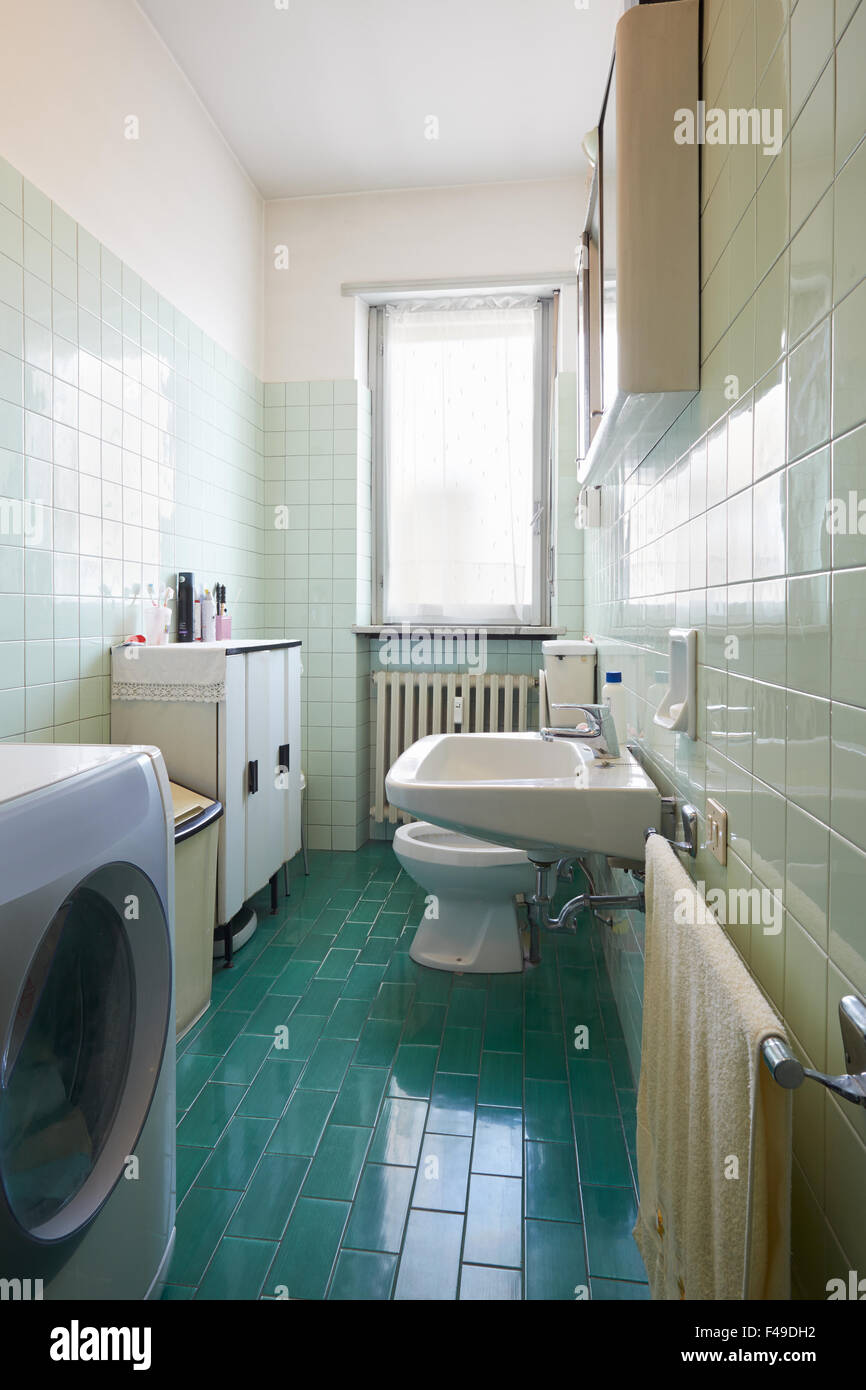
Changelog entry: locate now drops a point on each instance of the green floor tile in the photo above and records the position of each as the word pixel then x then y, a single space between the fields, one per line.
pixel 337 964
pixel 383 1126
pixel 548 1111
pixel 425 1025
pixel 378 1044
pixel 347 1020
pixel 555 1261
pixel 452 1104
pixel 592 1088
pixel 193 1070
pixel 501 1080
pixel 270 1196
pixel 363 982
pixel 232 1162
pixel 320 997
pixel 505 994
pixel 360 1096
pixel 380 1208
pixel 443 1173
pixel 189 1164
pixel 294 978
pixel 303 1123
pixel 461 1050
pixel 432 986
pixel 219 1033
pixel 610 1214
pixel 206 1119
pixel 482 1283
pixel 327 1065
pixel 397 1138
pixel 243 1059
pixel 466 1008
pixel 271 1014
pixel 413 1071
pixel 308 1251
pixel 401 970
pixel 335 1170
pixel 617 1290
pixel 302 1035
pixel 237 1270
pixel 314 947
pixel 430 1262
pixel 543 1013
pixel 268 1095
pixel 552 1192
pixel 503 1031
pixel 498 1147
pixel 352 936
pixel 363 1275
pixel 393 1001
pixel 365 912
pixel 269 963
pixel 248 993
pixel 494 1219
pixel 545 1056
pixel 201 1219
pixel 601 1152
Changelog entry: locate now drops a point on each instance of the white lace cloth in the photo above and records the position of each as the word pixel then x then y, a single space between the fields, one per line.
pixel 189 671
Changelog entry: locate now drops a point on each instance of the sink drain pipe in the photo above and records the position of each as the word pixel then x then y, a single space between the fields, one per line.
pixel 538 907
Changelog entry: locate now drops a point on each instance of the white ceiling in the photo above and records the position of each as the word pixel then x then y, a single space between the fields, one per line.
pixel 332 96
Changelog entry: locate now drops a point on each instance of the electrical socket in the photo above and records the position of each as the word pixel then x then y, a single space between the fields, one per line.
pixel 717 830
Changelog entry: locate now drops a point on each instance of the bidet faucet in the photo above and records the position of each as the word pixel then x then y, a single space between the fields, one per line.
pixel 600 734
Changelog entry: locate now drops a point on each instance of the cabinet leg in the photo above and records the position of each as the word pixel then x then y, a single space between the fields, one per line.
pixel 286 881
pixel 228 943
pixel 273 884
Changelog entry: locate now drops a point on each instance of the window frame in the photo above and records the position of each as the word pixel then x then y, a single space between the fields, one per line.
pixel 543 470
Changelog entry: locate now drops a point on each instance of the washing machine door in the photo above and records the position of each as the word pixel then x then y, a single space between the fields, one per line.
pixel 79 1065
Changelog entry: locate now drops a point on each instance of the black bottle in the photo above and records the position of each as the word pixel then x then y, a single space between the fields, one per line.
pixel 185 605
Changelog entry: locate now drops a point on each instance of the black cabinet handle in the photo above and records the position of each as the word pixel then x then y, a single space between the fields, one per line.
pixel 253 777
pixel 283 756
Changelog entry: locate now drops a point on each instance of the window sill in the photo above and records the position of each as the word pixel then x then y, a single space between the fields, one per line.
pixel 528 634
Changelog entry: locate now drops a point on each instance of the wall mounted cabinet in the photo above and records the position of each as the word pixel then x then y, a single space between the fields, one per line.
pixel 642 317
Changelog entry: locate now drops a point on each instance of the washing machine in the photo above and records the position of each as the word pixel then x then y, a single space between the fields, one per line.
pixel 87 1057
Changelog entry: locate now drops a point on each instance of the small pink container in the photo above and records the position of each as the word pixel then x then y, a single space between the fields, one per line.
pixel 223 628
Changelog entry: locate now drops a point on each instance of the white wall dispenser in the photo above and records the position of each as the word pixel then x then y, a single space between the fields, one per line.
pixel 678 710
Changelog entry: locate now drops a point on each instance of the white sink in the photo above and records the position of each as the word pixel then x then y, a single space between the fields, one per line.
pixel 546 797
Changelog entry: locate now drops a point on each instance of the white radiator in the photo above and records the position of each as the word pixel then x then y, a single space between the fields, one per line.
pixel 409 705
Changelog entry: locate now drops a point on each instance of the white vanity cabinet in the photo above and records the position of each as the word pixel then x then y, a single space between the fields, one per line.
pixel 236 738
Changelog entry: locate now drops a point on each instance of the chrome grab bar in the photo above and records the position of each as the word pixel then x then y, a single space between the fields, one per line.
pixel 785 1068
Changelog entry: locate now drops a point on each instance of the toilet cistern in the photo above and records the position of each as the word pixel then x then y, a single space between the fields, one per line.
pixel 600 735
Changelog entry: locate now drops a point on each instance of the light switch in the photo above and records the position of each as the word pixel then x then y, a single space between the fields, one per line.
pixel 717 830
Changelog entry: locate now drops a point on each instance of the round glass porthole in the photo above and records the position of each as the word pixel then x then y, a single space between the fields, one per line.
pixel 82 1054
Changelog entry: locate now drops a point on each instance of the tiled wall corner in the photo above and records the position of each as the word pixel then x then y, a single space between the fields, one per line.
pixel 130 444
pixel 317 563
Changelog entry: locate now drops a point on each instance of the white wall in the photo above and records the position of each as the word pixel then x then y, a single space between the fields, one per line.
pixel 174 204
pixel 416 234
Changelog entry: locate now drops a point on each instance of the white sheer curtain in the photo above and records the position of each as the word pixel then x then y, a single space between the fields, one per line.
pixel 460 468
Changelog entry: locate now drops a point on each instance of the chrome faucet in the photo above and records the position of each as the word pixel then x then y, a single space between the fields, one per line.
pixel 599 733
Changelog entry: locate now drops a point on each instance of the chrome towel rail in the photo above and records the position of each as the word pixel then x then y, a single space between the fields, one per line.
pixel 851 1085
pixel 689 820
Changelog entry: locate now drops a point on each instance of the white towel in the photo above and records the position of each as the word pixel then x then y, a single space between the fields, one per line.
pixel 707 1109
pixel 193 671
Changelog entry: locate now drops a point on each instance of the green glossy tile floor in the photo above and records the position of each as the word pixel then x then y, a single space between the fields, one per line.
pixel 352 1125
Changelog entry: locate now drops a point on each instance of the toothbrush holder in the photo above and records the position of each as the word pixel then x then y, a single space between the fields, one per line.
pixel 223 628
